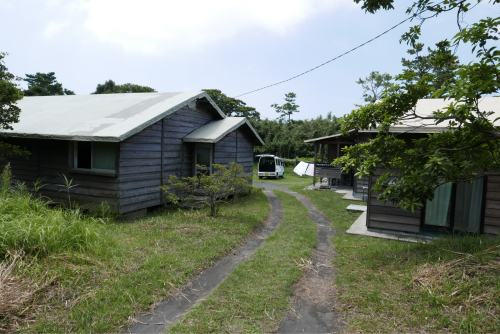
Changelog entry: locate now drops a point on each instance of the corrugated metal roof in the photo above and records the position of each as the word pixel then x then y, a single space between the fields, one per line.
pixel 100 117
pixel 425 108
pixel 216 130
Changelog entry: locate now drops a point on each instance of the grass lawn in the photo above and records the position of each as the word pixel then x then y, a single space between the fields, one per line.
pixel 450 285
pixel 291 180
pixel 100 288
pixel 255 297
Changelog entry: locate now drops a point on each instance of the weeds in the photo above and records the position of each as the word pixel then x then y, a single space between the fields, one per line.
pixel 67 184
pixel 449 285
pixel 29 225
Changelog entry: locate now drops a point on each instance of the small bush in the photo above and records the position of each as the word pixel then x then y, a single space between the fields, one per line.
pixel 27 223
pixel 210 189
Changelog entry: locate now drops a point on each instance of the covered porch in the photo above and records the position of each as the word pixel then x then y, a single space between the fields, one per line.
pixel 326 150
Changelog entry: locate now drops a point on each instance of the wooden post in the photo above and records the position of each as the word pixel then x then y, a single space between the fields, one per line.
pixel 162 157
pixel 315 161
pixel 338 156
pixel 338 148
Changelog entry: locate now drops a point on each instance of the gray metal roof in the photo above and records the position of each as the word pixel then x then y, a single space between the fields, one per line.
pixel 100 117
pixel 216 130
pixel 425 108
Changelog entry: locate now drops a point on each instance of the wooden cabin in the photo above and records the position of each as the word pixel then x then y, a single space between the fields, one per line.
pixel 464 207
pixel 119 148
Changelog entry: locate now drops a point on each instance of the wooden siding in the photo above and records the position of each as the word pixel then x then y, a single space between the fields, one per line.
pixel 51 158
pixel 387 216
pixel 141 155
pixel 139 162
pixel 492 206
pixel 359 183
pixel 236 146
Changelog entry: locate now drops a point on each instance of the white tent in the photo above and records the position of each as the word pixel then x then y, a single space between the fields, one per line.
pixel 304 168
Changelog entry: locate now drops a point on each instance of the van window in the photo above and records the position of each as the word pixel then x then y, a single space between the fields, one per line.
pixel 267 165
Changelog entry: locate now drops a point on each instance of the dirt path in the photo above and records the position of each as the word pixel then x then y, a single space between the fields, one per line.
pixel 176 306
pixel 313 294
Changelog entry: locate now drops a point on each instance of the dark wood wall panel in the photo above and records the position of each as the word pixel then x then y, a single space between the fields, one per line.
pixel 236 146
pixel 492 207
pixel 49 160
pixel 386 215
pixel 245 150
pixel 140 157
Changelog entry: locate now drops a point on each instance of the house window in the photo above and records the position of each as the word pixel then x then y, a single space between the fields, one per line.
pixel 94 155
pixel 456 207
pixel 203 156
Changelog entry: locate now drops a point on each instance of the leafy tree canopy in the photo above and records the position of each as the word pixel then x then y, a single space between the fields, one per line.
pixel 288 108
pixel 10 93
pixel 43 84
pixel 231 106
pixel 374 85
pixel 440 72
pixel 468 149
pixel 110 87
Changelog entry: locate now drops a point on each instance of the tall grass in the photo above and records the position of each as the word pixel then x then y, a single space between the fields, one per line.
pixel 28 224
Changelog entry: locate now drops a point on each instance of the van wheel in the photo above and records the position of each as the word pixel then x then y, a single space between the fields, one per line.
pixel 283 176
pixel 261 177
pixel 277 176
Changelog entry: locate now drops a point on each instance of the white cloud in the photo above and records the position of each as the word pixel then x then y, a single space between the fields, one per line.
pixel 153 26
pixel 53 28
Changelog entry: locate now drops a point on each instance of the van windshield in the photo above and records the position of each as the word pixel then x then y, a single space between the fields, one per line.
pixel 267 165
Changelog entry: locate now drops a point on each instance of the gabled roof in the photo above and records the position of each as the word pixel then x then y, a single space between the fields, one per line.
pixel 425 108
pixel 100 117
pixel 216 130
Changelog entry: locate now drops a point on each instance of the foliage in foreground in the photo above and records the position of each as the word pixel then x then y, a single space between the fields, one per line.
pixel 9 111
pixel 255 297
pixel 470 146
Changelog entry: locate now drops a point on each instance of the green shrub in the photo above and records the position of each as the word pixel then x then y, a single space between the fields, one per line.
pixel 29 224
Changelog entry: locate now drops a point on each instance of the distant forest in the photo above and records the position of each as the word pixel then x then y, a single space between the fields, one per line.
pixel 283 136
pixel 286 139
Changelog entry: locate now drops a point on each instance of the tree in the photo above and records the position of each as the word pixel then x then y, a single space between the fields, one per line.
pixel 374 84
pixel 110 87
pixel 288 108
pixel 468 150
pixel 215 188
pixel 43 84
pixel 287 139
pixel 442 73
pixel 10 93
pixel 231 106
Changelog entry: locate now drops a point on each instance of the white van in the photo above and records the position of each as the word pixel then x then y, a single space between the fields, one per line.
pixel 270 166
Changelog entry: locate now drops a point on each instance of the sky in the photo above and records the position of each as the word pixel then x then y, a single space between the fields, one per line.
pixel 235 46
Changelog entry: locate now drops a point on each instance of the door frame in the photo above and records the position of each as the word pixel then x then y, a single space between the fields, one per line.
pixel 195 158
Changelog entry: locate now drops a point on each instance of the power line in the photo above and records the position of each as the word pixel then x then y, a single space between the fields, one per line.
pixel 314 68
